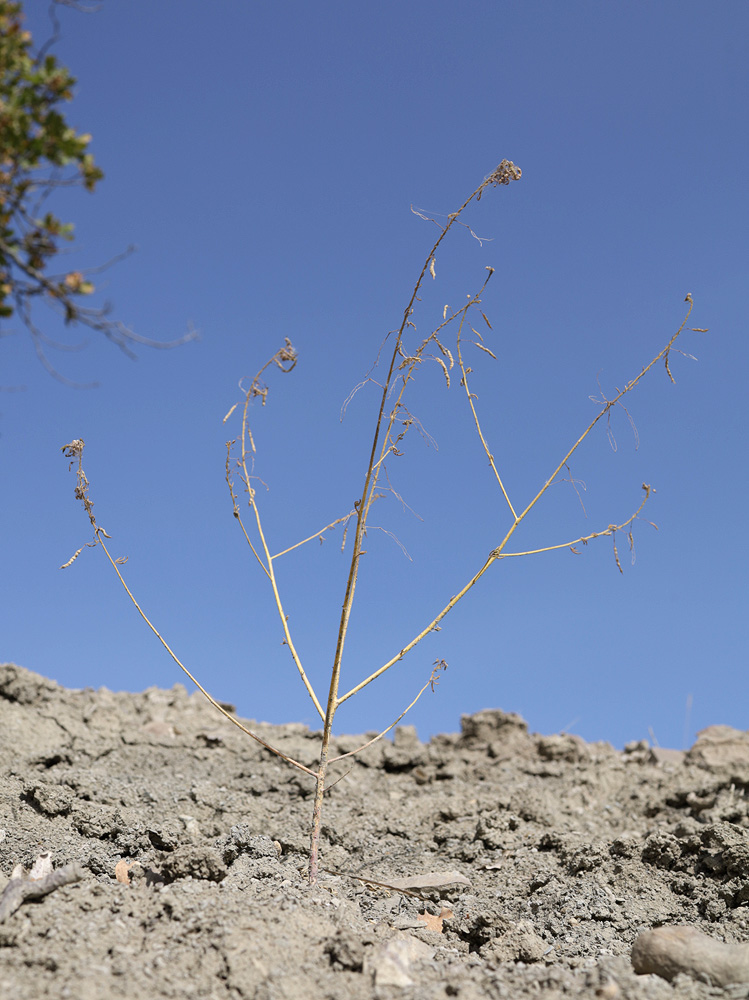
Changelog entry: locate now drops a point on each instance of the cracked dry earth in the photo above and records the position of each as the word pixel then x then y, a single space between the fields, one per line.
pixel 552 855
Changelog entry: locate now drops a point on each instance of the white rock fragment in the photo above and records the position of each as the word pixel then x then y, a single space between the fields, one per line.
pixel 431 880
pixel 668 951
pixel 392 963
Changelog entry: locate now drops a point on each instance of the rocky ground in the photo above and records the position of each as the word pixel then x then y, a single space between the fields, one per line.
pixel 512 865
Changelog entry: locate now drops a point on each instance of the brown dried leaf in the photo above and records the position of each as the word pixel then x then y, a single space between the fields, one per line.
pixel 432 923
pixel 435 923
pixel 120 871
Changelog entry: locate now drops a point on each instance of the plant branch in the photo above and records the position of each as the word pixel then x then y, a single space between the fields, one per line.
pixel 609 404
pixel 439 666
pixel 237 513
pixel 217 705
pixel 317 534
pixel 469 394
pixel 285 359
pixel 584 539
pixel 75 449
pixel 283 616
pixel 504 173
pixel 497 553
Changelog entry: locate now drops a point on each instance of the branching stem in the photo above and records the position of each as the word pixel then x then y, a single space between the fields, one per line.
pixel 498 552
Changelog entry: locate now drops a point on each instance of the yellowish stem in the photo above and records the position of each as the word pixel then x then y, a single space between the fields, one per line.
pixel 217 705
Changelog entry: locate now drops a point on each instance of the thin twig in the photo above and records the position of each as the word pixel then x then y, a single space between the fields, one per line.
pixel 439 666
pixel 217 705
pixel 584 539
pixel 285 359
pixel 469 394
pixel 317 534
pixel 504 174
pixel 74 450
pixel 237 513
pixel 18 890
pixel 380 885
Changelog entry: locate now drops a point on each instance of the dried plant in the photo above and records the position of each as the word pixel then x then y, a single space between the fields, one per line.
pixel 392 424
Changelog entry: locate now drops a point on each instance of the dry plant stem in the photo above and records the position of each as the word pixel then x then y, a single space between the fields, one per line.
pixel 469 394
pixel 385 442
pixel 370 881
pixel 282 358
pixel 268 565
pixel 283 616
pixel 237 514
pixel 609 405
pixel 18 890
pixel 75 450
pixel 363 507
pixel 317 534
pixel 220 708
pixel 433 680
pixel 362 511
pixel 498 552
pixel 413 361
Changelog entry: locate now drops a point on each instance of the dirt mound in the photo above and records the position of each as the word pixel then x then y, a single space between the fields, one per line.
pixel 527 864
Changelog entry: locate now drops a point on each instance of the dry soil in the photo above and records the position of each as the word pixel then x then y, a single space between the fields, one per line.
pixel 549 856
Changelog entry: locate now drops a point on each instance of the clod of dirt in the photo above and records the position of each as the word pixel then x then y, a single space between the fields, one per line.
pixel 722 747
pixel 519 943
pixel 193 861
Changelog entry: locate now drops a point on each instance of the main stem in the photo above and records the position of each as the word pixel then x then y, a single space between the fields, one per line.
pixel 319 792
pixel 362 508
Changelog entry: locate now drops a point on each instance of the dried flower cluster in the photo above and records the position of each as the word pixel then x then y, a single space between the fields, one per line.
pixel 505 172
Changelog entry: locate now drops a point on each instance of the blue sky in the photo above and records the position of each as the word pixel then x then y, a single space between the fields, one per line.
pixel 265 158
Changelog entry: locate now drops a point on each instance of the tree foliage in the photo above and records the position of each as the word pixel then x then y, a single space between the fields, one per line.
pixel 39 153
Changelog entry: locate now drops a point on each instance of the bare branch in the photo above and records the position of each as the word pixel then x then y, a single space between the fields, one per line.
pixel 439 666
pixel 470 397
pixel 496 553
pixel 584 539
pixel 505 172
pixel 318 534
pixel 75 450
pixel 285 359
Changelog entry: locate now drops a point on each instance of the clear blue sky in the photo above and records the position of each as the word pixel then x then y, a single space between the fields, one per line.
pixel 264 158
